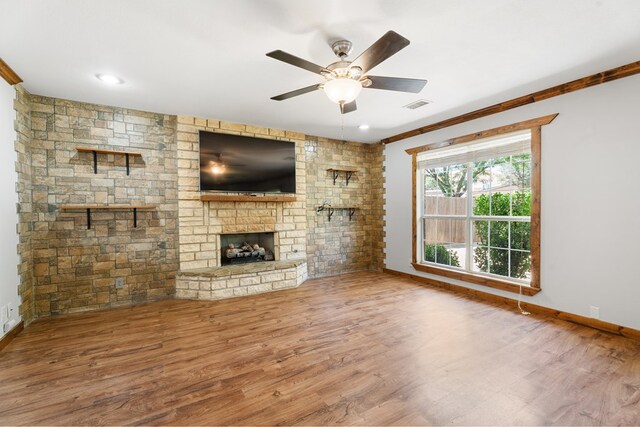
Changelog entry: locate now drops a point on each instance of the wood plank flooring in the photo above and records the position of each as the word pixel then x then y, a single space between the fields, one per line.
pixel 361 348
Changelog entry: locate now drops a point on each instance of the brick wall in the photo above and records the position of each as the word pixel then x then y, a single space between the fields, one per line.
pixel 341 245
pixel 74 267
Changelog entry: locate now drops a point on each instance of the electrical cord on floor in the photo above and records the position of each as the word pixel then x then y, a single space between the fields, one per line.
pixel 522 311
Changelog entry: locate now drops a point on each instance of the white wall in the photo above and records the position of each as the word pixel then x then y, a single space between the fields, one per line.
pixel 9 278
pixel 590 221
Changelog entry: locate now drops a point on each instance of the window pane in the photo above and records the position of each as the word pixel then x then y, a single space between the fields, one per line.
pixel 430 192
pixel 520 265
pixel 430 205
pixel 444 241
pixel 481 233
pixel 521 235
pixel 500 202
pixel 480 259
pixel 499 234
pixel 521 185
pixel 446 190
pixel 442 254
pixel 521 203
pixel 457 245
pixel 437 235
pixel 521 171
pixel 479 246
pixel 481 187
pixel 429 253
pixel 499 261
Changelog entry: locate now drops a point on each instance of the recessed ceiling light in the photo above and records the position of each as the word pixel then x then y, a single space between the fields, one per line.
pixel 109 79
pixel 363 126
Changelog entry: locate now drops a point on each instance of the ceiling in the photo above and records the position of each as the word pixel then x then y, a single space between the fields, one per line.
pixel 207 57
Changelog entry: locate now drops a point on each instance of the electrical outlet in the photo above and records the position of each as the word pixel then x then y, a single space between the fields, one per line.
pixel 594 312
pixel 8 326
pixel 10 310
pixel 119 282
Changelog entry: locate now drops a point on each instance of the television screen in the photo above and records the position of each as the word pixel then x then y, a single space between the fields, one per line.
pixel 238 163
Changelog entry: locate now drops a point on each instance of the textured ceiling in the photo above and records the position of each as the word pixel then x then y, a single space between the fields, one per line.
pixel 207 58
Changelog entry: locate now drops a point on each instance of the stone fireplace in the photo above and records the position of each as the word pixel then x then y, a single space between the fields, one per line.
pixel 246 248
pixel 208 224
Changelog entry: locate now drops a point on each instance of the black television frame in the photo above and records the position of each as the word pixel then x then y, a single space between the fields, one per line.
pixel 285 188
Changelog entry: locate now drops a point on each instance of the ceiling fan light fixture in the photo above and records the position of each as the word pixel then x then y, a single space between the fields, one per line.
pixel 342 90
pixel 355 72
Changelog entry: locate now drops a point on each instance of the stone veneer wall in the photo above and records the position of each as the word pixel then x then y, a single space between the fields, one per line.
pixel 22 105
pixel 341 245
pixel 201 222
pixel 65 267
pixel 74 267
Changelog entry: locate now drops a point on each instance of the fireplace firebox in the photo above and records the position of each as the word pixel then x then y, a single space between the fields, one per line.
pixel 246 247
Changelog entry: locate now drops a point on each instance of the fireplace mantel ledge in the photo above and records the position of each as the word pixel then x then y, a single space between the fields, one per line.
pixel 230 270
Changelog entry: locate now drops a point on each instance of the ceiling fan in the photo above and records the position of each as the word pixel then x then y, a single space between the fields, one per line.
pixel 345 79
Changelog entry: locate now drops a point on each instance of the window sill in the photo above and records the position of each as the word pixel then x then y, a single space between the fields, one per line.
pixel 477 279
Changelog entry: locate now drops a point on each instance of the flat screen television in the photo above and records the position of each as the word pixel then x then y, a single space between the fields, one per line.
pixel 236 163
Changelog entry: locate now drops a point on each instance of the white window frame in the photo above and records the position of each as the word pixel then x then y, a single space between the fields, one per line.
pixel 469 219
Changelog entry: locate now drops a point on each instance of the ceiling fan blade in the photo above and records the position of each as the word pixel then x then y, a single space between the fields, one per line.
pixel 396 83
pixel 297 62
pixel 296 93
pixel 347 108
pixel 387 46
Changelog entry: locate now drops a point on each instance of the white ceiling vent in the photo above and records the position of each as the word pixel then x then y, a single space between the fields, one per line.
pixel 417 104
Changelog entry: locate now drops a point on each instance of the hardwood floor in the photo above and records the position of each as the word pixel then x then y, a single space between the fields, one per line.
pixel 362 348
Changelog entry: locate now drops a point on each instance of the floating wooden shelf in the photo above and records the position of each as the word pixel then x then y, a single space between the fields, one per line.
pixel 95 152
pixel 243 198
pixel 88 208
pixel 330 210
pixel 112 207
pixel 348 172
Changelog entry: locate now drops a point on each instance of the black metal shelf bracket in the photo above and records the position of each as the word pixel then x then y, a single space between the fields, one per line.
pixel 351 212
pixel 336 174
pixel 135 218
pixel 95 162
pixel 330 212
pixel 347 175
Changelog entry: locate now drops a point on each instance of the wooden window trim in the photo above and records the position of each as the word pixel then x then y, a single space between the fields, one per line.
pixel 477 279
pixel 535 126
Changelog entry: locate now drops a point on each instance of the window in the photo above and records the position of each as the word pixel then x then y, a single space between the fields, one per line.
pixel 477 207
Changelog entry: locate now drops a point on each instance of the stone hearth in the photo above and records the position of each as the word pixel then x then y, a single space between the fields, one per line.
pixel 240 279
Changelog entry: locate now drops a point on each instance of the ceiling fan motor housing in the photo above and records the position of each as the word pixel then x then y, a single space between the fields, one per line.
pixel 342 48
